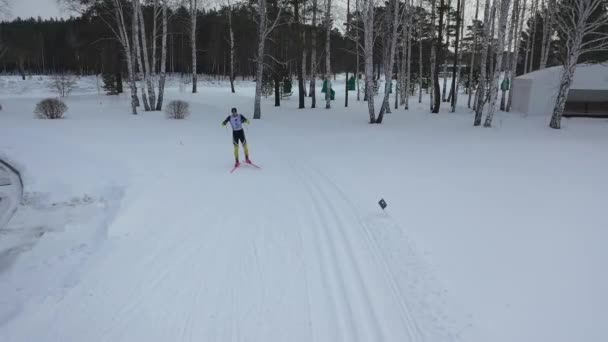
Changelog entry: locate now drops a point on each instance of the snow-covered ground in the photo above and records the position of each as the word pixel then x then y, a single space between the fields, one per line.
pixel 133 229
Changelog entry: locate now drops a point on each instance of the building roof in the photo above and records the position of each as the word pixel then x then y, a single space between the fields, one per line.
pixel 587 76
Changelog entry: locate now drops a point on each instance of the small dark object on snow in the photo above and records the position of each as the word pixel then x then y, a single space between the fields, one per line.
pixel 382 204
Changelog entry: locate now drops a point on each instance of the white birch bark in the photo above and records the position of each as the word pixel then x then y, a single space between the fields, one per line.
pixel 231 47
pixel 328 23
pixel 533 41
pixel 502 28
pixel 137 47
pixel 420 57
pixel 368 53
pixel 509 69
pixel 515 56
pixel 390 60
pixel 163 59
pixel 447 43
pixel 147 68
pixel 358 51
pixel 123 37
pixel 408 72
pixel 582 28
pixel 472 65
pixel 193 16
pixel 313 56
pixel 481 87
pixel 257 111
pixel 433 55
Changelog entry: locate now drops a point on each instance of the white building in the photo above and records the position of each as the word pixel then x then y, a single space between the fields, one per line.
pixel 535 93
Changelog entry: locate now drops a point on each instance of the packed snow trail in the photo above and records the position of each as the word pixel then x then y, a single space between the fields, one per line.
pixel 274 255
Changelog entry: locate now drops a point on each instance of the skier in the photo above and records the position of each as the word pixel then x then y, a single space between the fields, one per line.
pixel 238 134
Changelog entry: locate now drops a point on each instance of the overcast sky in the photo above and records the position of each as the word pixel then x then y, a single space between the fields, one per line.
pixel 35 8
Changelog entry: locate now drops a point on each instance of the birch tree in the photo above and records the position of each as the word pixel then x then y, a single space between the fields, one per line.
pixel 299 48
pixel 481 86
pixel 445 50
pixel 328 23
pixel 265 27
pixel 231 33
pixel 434 80
pixel 472 64
pixel 163 59
pixel 420 55
pixel 408 39
pixel 502 28
pixel 147 68
pixel 393 28
pixel 515 57
pixel 438 60
pixel 533 41
pixel 547 33
pixel 454 92
pixel 509 71
pixel 313 56
pixel 580 27
pixel 367 15
pixel 193 15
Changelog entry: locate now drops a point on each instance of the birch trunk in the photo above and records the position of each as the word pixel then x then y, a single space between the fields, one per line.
pixel 532 42
pixel 547 33
pixel 231 48
pixel 472 67
pixel 433 57
pixel 438 61
pixel 509 70
pixel 388 71
pixel 408 72
pixel 445 51
pixel 257 110
pixel 137 47
pixel 153 60
pixel 299 48
pixel 357 58
pixel 304 59
pixel 328 55
pixel 147 68
pixel 402 67
pixel 313 57
pixel 127 48
pixel 420 57
pixel 163 60
pixel 346 80
pixel 564 88
pixel 515 56
pixel 454 91
pixel 368 25
pixel 193 15
pixel 502 28
pixel 480 96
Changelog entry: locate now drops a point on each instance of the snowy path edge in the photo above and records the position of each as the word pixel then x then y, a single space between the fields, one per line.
pixel 14 195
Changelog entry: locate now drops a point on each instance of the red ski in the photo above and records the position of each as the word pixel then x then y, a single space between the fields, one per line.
pixel 252 164
pixel 246 162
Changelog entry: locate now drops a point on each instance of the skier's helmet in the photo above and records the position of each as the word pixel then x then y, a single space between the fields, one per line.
pixel 233 110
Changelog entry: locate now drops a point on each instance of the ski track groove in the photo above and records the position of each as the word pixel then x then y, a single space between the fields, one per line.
pixel 352 267
pixel 329 282
pixel 374 249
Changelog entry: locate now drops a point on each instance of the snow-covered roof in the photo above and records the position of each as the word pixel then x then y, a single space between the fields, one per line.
pixel 587 76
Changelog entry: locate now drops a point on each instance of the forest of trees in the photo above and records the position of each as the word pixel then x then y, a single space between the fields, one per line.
pixel 303 41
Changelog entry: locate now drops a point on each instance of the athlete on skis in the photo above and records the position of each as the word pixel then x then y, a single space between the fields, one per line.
pixel 238 134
